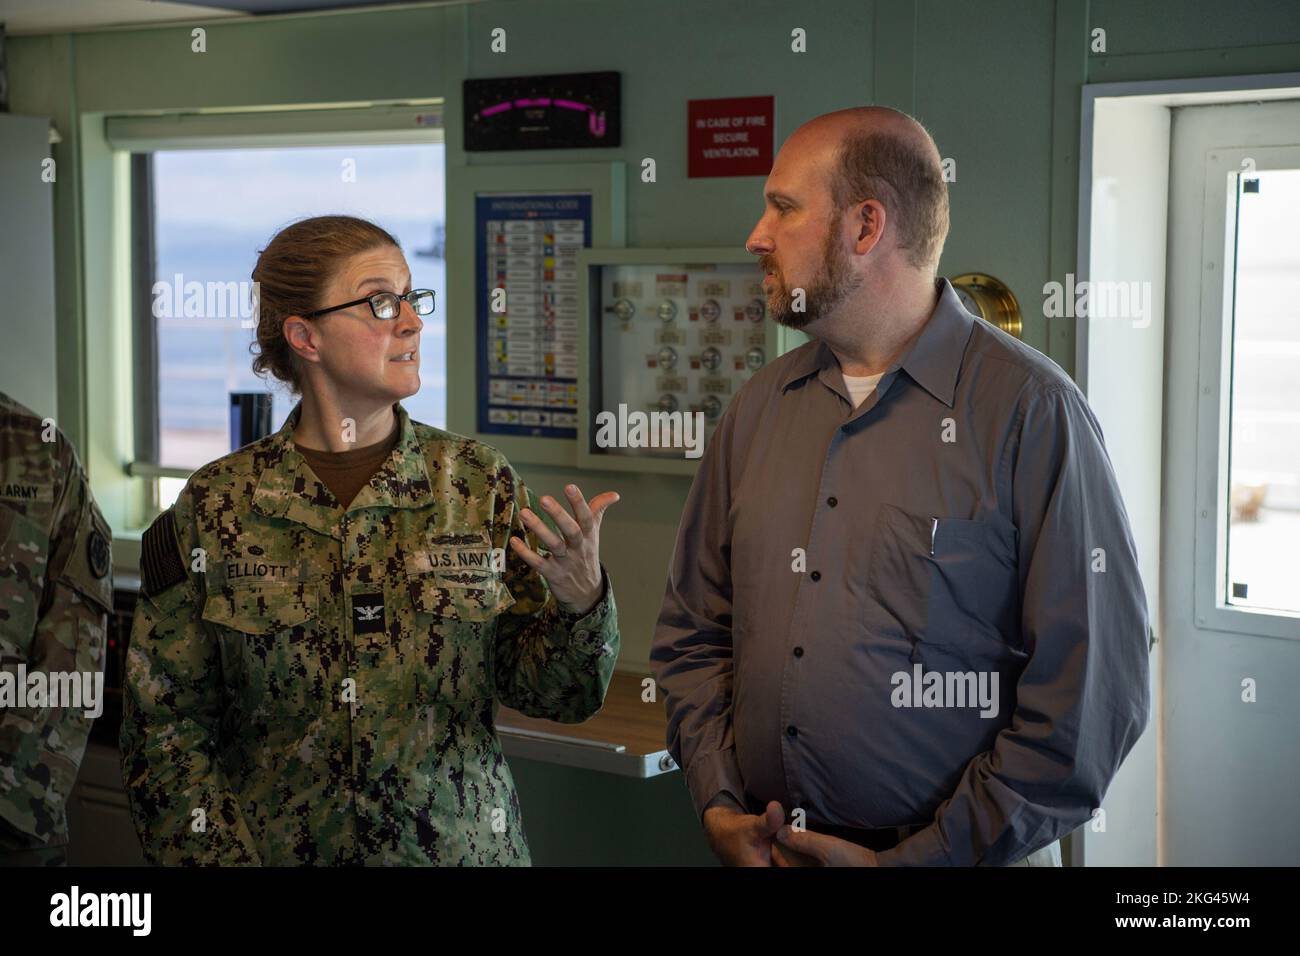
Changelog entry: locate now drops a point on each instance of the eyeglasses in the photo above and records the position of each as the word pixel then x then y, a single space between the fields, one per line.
pixel 387 305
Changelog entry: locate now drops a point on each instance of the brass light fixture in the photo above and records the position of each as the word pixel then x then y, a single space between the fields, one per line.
pixel 990 299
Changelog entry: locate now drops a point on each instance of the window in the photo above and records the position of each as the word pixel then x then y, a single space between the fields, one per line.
pixel 211 212
pixel 1264 406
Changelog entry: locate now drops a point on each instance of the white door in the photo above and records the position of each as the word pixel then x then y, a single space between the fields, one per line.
pixel 1230 528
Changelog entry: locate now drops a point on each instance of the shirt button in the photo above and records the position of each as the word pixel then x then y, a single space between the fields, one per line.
pixel 816 575
pixel 792 730
pixel 798 652
pixel 832 501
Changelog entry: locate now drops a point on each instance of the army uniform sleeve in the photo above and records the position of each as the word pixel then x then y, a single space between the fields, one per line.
pixel 548 663
pixel 41 746
pixel 180 799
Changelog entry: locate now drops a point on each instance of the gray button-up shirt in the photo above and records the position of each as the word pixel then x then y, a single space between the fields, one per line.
pixel 925 610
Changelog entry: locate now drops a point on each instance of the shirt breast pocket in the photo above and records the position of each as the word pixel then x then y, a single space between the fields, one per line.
pixel 453 630
pixel 946 583
pixel 270 646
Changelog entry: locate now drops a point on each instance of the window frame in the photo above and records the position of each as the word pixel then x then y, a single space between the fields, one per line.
pixel 144 340
pixel 411 122
pixel 1223 170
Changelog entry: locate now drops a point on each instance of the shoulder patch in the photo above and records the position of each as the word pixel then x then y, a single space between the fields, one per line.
pixel 98 555
pixel 161 566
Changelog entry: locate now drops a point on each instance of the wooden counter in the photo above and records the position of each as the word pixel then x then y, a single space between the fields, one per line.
pixel 628 736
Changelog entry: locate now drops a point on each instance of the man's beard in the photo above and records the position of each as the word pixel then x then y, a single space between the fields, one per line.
pixel 829 288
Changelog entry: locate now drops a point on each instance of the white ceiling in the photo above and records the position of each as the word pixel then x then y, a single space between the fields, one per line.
pixel 67 16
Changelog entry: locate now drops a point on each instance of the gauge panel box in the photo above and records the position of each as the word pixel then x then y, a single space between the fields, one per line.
pixel 667 338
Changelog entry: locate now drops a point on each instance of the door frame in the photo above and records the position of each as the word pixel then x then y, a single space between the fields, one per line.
pixel 1140 780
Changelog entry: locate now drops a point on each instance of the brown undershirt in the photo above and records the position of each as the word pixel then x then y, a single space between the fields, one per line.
pixel 346 472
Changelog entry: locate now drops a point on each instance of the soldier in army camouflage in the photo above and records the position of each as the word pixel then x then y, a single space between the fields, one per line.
pixel 314 681
pixel 55 594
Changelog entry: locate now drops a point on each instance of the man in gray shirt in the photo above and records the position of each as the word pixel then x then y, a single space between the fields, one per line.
pixel 912 623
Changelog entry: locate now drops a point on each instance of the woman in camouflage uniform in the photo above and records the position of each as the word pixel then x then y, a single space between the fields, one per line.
pixel 312 675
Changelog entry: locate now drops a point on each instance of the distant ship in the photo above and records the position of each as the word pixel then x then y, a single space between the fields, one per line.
pixel 438 249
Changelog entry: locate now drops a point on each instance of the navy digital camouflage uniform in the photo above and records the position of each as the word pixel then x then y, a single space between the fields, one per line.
pixel 56 591
pixel 309 685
